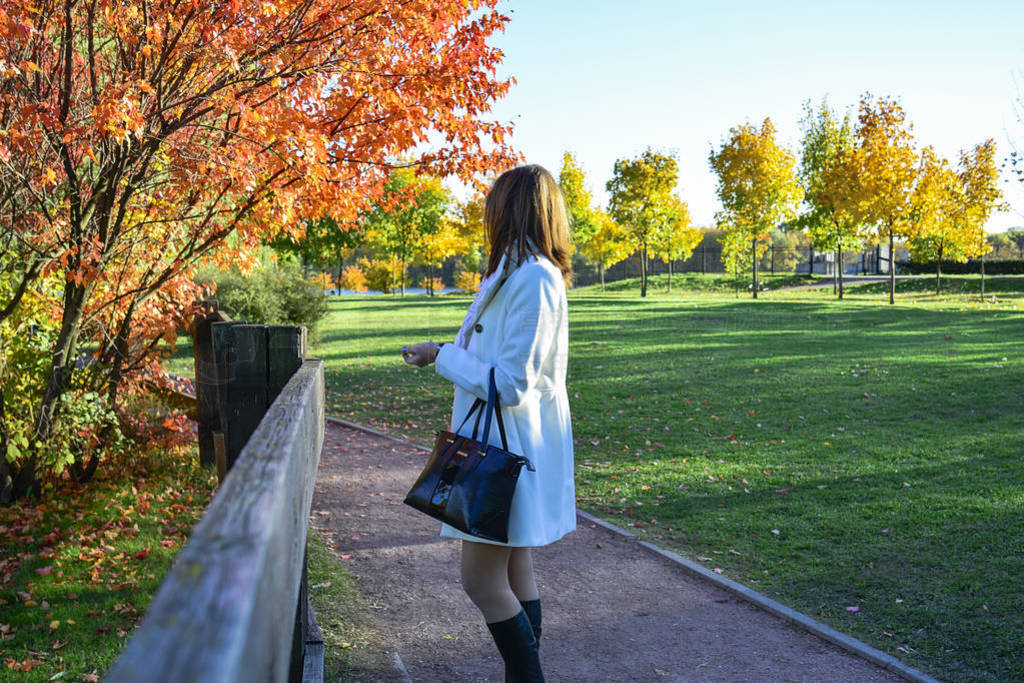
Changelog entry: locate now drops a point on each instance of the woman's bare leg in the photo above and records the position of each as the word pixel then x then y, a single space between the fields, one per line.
pixel 485 578
pixel 520 575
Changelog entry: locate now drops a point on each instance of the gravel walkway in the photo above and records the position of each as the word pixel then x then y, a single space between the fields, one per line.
pixel 612 611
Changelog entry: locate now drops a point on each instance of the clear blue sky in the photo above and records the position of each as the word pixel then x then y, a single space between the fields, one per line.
pixel 606 79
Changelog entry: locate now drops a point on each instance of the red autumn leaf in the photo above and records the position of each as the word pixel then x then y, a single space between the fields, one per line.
pixel 141 555
pixel 26 665
pixel 786 490
pixel 44 571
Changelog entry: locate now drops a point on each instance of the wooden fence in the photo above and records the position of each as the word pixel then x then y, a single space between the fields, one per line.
pixel 234 605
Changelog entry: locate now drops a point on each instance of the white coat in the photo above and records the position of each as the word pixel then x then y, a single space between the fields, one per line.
pixel 523 333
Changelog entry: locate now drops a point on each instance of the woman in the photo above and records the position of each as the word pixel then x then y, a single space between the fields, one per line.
pixel 517 324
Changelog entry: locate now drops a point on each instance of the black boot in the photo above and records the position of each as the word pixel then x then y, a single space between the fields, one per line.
pixel 518 647
pixel 532 609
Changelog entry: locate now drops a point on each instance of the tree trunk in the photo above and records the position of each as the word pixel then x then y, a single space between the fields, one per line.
pixel 938 272
pixel 753 251
pixel 982 277
pixel 341 269
pixel 840 268
pixel 643 268
pixel 81 469
pixel 403 274
pixel 892 269
pixel 810 260
pixel 6 476
pixel 670 276
pixel 835 282
pixel 600 274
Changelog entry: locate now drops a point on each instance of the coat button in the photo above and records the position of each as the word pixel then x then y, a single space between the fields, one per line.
pixel 478 328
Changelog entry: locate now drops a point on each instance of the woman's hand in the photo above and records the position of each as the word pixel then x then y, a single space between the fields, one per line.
pixel 420 354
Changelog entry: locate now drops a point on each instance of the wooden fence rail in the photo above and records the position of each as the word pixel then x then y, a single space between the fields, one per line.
pixel 233 607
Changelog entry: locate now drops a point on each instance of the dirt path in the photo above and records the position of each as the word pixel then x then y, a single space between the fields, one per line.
pixel 612 611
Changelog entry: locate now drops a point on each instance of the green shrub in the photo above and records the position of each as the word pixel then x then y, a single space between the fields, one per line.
pixel 27 340
pixel 275 294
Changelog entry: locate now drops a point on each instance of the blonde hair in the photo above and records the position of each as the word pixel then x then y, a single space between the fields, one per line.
pixel 525 211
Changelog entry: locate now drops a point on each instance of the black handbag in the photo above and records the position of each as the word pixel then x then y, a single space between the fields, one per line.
pixel 468 484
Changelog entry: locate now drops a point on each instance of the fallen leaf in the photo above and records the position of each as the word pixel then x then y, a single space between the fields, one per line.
pixel 853 608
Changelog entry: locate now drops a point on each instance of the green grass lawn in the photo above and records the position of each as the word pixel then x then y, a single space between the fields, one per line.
pixel 78 568
pixel 854 460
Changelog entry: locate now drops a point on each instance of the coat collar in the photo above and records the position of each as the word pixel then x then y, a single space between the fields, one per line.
pixel 489 288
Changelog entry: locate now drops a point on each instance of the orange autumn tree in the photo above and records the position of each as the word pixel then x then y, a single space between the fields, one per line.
pixel 140 137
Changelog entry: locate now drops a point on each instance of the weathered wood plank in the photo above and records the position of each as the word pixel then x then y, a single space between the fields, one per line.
pixel 286 347
pixel 247 392
pixel 206 379
pixel 226 610
pixel 313 660
pixel 224 363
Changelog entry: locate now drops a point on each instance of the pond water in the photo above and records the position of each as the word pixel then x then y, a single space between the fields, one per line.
pixel 408 290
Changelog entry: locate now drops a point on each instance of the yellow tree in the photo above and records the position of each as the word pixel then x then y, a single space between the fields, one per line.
pixel 677 239
pixel 887 168
pixel 469 224
pixel 958 204
pixel 641 200
pixel 434 247
pixel 934 197
pixel 609 244
pixel 830 182
pixel 412 208
pixel 758 188
pixel 578 199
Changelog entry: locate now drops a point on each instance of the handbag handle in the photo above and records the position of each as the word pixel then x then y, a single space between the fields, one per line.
pixel 492 405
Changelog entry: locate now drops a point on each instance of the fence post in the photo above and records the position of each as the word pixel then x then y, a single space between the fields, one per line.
pixel 206 313
pixel 252 363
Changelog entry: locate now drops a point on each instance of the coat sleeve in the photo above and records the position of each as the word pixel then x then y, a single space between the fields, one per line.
pixel 530 330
